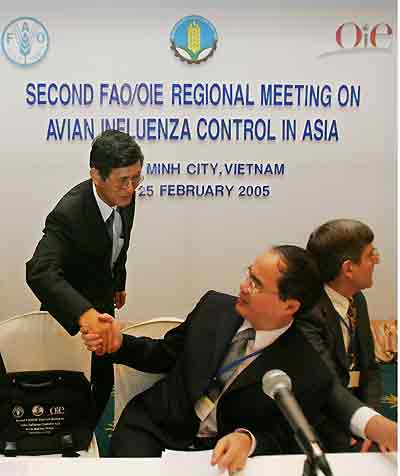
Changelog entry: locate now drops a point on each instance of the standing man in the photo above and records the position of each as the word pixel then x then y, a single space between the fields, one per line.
pixel 211 396
pixel 339 325
pixel 78 270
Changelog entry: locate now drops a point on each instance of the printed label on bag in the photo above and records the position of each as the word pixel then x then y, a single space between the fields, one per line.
pixel 39 419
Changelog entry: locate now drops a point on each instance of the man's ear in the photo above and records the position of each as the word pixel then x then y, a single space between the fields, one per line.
pixel 292 305
pixel 95 176
pixel 347 268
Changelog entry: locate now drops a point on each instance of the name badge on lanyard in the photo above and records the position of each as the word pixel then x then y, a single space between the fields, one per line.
pixel 354 380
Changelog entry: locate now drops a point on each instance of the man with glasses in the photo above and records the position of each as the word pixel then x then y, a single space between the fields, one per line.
pixel 211 395
pixel 78 268
pixel 339 325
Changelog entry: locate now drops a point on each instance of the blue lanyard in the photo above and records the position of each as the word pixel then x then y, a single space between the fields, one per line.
pixel 236 363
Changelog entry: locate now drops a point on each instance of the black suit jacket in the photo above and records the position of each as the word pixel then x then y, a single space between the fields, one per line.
pixel 191 355
pixel 70 269
pixel 323 329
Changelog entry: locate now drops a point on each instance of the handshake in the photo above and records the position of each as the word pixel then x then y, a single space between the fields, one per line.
pixel 101 333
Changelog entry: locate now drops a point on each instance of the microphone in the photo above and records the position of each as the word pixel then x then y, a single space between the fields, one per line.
pixel 277 385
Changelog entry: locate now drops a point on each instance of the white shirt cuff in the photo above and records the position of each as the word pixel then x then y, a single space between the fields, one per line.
pixel 360 419
pixel 253 439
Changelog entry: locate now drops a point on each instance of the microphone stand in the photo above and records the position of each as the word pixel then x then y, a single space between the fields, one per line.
pixel 315 458
pixel 309 469
pixel 277 385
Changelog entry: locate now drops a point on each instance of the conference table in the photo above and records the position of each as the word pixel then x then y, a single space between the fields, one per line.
pixel 195 464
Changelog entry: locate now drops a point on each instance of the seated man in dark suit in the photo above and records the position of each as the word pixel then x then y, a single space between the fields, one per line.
pixel 339 325
pixel 206 400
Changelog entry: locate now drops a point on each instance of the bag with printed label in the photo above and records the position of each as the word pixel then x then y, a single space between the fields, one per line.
pixel 45 412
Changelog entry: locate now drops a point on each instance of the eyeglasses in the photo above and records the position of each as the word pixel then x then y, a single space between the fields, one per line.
pixel 254 285
pixel 124 182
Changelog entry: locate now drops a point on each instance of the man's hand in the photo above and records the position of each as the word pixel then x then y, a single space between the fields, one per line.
pixel 120 299
pixel 383 431
pixel 93 322
pixel 231 452
pixel 94 342
pixel 365 446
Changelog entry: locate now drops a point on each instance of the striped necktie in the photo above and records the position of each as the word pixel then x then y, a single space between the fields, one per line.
pixel 352 315
pixel 352 320
pixel 236 351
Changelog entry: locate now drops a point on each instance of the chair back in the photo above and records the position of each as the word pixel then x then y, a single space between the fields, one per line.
pixel 36 341
pixel 129 382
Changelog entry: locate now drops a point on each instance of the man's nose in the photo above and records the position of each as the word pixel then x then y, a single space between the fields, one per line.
pixel 131 187
pixel 245 286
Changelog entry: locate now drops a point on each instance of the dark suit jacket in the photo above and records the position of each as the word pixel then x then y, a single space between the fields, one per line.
pixel 70 269
pixel 191 355
pixel 322 327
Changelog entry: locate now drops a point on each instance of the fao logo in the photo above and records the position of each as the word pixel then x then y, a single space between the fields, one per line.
pixel 18 411
pixel 25 41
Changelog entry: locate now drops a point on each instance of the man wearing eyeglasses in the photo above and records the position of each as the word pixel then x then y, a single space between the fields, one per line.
pixel 78 268
pixel 208 399
pixel 339 325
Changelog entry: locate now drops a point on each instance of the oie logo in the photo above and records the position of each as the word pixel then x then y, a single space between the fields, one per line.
pixel 194 39
pixel 25 41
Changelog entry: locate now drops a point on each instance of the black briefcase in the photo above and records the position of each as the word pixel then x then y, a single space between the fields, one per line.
pixel 45 412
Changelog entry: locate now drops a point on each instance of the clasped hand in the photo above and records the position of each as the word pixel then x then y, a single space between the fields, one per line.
pixel 100 333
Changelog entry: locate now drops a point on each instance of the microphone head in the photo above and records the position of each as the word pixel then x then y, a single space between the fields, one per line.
pixel 275 380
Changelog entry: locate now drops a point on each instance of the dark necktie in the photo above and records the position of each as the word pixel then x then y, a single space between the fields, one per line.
pixel 110 224
pixel 352 320
pixel 352 315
